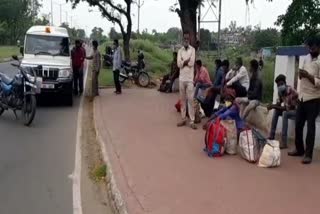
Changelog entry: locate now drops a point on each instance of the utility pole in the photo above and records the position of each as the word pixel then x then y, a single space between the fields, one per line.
pixel 51 13
pixel 219 30
pixel 139 6
pixel 199 22
pixel 60 13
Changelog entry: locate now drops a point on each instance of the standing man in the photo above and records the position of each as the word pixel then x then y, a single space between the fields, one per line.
pixel 186 61
pixel 309 101
pixel 96 66
pixel 78 56
pixel 117 61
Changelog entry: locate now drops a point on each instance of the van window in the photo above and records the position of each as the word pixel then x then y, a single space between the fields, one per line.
pixel 47 45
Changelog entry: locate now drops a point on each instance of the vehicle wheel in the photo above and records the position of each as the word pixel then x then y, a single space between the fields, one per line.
pixel 29 109
pixel 143 79
pixel 122 79
pixel 68 99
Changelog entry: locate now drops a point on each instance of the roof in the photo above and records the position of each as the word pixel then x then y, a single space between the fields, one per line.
pixel 292 51
pixel 55 31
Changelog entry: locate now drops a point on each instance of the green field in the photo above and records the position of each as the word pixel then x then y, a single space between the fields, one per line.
pixel 158 61
pixel 8 51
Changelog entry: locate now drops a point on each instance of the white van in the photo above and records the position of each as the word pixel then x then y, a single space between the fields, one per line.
pixel 50 47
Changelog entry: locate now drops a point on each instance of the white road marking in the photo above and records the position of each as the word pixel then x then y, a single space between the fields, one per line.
pixel 76 175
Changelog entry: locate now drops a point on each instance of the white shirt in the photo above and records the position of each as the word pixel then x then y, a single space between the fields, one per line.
pixel 186 72
pixel 240 75
pixel 307 90
pixel 117 59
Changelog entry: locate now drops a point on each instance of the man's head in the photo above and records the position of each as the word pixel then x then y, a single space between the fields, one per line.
pixel 225 65
pixel 254 66
pixel 218 63
pixel 281 84
pixel 186 39
pixel 95 44
pixel 239 63
pixel 313 43
pixel 116 43
pixel 175 55
pixel 78 43
pixel 198 64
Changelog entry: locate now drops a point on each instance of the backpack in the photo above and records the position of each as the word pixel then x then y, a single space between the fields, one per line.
pixel 215 139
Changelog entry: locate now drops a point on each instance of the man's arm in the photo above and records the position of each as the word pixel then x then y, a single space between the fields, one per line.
pixel 238 76
pixel 192 58
pixel 179 60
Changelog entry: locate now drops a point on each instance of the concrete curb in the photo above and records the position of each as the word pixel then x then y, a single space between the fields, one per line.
pixel 5 60
pixel 112 188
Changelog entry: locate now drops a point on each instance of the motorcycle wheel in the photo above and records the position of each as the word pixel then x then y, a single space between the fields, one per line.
pixel 143 79
pixel 29 109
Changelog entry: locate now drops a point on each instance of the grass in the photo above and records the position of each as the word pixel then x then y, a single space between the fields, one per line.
pixel 99 172
pixel 8 51
pixel 158 61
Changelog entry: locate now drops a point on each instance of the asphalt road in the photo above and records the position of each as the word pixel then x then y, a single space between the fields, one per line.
pixel 35 161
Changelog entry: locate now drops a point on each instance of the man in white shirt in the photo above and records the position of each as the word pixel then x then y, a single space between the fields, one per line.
pixel 117 61
pixel 185 61
pixel 309 101
pixel 238 79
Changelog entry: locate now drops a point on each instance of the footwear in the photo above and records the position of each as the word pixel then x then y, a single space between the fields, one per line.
pixel 306 160
pixel 118 92
pixel 295 153
pixel 193 126
pixel 182 123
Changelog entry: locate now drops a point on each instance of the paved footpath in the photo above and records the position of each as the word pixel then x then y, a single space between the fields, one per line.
pixel 161 169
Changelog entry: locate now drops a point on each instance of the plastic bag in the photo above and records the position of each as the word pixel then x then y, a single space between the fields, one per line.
pixel 231 141
pixel 271 155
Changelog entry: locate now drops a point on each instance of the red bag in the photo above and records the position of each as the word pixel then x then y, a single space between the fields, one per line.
pixel 215 139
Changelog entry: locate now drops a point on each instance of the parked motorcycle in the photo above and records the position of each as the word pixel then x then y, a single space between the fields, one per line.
pixel 19 93
pixel 135 73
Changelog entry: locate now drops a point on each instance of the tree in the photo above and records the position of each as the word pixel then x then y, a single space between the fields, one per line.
pixel 97 34
pixel 42 21
pixel 188 15
pixel 205 36
pixel 300 21
pixel 115 13
pixel 74 33
pixel 113 34
pixel 266 38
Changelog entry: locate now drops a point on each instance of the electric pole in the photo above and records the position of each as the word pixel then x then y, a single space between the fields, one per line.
pixel 219 30
pixel 139 6
pixel 51 13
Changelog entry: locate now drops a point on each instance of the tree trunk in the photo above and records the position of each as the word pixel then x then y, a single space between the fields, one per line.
pixel 126 46
pixel 188 18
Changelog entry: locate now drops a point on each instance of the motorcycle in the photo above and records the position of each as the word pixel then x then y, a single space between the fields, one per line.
pixel 135 73
pixel 19 93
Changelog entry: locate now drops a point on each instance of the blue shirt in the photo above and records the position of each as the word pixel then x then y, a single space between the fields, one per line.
pixel 232 113
pixel 218 79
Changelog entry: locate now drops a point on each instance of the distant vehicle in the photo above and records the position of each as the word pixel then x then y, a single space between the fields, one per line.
pixel 19 93
pixel 50 47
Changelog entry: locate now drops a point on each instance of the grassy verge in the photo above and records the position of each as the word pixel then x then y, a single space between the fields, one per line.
pixel 8 51
pixel 158 61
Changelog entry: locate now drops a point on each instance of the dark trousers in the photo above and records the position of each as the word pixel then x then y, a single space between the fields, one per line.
pixel 78 80
pixel 306 111
pixel 116 75
pixel 240 90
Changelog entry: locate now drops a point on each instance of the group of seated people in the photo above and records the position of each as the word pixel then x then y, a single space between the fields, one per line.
pixel 236 87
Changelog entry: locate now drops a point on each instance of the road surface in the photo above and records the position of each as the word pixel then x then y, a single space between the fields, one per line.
pixel 35 162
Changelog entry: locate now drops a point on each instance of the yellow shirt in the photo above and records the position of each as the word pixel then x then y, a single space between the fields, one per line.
pixel 186 72
pixel 307 90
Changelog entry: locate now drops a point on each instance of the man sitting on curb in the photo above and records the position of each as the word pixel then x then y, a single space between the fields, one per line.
pixel 254 93
pixel 285 107
pixel 202 78
pixel 172 76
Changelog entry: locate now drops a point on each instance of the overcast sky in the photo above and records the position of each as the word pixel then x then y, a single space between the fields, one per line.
pixel 155 14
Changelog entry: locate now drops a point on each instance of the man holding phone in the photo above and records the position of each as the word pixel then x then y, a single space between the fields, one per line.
pixel 309 101
pixel 185 62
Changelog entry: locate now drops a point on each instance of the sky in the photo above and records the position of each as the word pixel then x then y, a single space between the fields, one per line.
pixel 155 14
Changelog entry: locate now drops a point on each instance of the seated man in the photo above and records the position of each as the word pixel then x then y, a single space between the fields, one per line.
pixel 238 79
pixel 254 93
pixel 285 107
pixel 172 76
pixel 202 78
pixel 230 111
